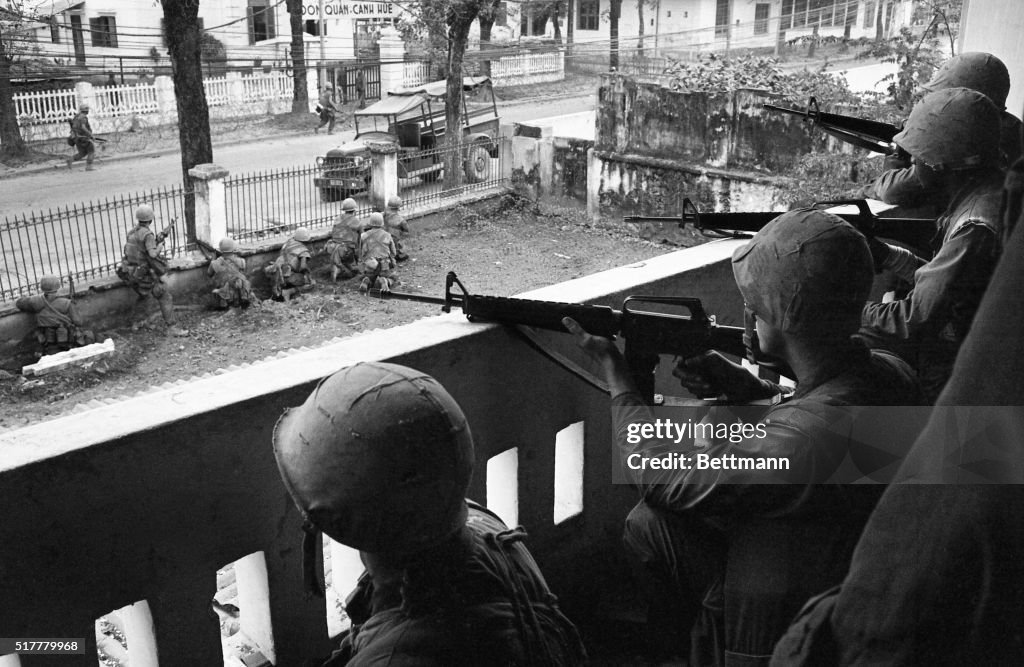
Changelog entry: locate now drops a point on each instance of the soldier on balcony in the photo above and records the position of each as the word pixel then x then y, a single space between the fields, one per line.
pixel 379 458
pixel 732 556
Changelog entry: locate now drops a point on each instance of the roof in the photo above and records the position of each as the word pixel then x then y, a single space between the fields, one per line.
pixel 396 104
pixel 53 7
pixel 438 88
pixel 404 99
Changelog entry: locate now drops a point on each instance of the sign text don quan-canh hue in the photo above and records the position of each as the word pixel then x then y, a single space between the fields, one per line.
pixel 360 10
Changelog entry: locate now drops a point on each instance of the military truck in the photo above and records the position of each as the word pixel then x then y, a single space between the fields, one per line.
pixel 414 120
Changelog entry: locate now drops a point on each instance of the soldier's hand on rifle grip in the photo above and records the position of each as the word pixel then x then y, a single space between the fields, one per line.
pixel 604 352
pixel 899 159
pixel 711 374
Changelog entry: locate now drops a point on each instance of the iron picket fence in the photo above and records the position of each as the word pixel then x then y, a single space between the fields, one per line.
pixel 275 202
pixel 422 178
pixel 84 241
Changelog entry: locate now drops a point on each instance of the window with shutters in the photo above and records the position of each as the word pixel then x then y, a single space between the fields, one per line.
pixel 722 18
pixel 260 14
pixel 588 15
pixel 104 31
pixel 761 18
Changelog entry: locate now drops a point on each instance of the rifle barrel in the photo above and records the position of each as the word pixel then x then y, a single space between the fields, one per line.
pixel 403 296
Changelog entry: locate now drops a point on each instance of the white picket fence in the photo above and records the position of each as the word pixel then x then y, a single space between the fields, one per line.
pixel 513 70
pixel 107 102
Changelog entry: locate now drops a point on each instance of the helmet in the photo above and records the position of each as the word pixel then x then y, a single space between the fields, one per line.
pixel 84 106
pixel 978 71
pixel 952 128
pixel 806 271
pixel 144 213
pixel 379 458
pixel 376 219
pixel 227 244
pixel 348 205
pixel 395 202
pixel 302 235
pixel 49 284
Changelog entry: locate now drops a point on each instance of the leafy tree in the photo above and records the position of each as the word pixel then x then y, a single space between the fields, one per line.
pixel 13 37
pixel 181 18
pixel 300 98
pixel 918 55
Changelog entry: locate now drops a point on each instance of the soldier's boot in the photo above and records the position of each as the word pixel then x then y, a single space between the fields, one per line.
pixel 334 274
pixel 364 285
pixel 401 256
pixel 287 293
pixel 89 167
pixel 69 162
pixel 175 330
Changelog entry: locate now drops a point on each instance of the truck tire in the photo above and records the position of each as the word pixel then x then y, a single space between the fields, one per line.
pixel 478 163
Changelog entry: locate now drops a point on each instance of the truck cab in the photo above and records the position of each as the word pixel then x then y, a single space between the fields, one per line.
pixel 414 120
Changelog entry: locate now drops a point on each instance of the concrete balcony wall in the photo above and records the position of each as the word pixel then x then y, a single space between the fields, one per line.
pixel 145 499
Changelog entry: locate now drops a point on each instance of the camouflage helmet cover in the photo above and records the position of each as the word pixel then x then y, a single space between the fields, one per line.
pixel 349 204
pixel 302 235
pixel 976 70
pixel 395 202
pixel 376 219
pixel 806 271
pixel 227 244
pixel 379 458
pixel 144 213
pixel 49 284
pixel 953 128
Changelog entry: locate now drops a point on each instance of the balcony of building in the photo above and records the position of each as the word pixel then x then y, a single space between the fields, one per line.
pixel 135 506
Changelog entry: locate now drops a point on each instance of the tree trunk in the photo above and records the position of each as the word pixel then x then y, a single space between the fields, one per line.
pixel 615 9
pixel 182 29
pixel 458 37
pixel 10 133
pixel 300 98
pixel 486 25
pixel 640 29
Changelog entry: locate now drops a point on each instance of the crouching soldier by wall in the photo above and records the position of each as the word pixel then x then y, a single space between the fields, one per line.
pixel 291 272
pixel 343 246
pixel 58 326
pixel 446 582
pixel 231 287
pixel 144 265
pixel 395 224
pixel 377 256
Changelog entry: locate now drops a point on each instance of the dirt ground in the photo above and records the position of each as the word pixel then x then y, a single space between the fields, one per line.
pixel 501 247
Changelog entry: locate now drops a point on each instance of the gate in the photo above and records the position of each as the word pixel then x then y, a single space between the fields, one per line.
pixel 346 81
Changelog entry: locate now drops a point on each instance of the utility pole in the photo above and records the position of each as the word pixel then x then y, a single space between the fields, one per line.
pixel 320 63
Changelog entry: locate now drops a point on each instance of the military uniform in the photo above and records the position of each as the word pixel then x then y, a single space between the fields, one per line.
pixel 58 326
pixel 951 132
pixel 291 269
pixel 328 111
pixel 395 224
pixel 343 246
pixel 492 580
pixel 143 266
pixel 81 132
pixel 230 284
pixel 741 556
pixel 377 258
pixel 447 583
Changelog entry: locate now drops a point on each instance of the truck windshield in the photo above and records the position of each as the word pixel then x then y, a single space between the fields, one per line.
pixel 366 124
pixel 480 101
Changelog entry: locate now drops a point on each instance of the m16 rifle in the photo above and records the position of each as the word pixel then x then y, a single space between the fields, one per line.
pixel 915 233
pixel 647 329
pixel 873 135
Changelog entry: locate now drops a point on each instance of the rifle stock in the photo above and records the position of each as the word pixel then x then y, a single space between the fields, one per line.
pixel 644 324
pixel 872 135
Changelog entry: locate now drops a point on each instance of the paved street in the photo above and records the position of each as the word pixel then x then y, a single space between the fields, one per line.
pixel 60 187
